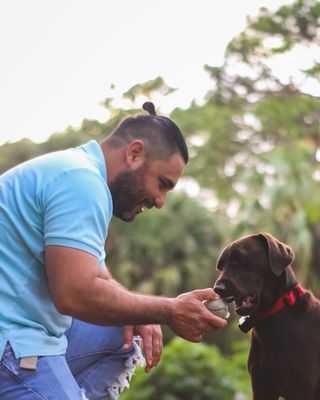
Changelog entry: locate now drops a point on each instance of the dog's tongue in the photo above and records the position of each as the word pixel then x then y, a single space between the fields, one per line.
pixel 245 303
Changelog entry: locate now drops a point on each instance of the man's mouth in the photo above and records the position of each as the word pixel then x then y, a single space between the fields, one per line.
pixel 147 204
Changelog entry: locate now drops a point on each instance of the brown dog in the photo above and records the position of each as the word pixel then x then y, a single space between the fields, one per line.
pixel 284 359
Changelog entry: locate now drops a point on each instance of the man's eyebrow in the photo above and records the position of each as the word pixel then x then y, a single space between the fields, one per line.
pixel 166 182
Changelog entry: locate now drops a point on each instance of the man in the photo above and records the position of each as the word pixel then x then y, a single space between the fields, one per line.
pixel 61 312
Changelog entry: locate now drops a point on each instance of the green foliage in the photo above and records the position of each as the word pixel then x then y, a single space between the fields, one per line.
pixel 148 89
pixel 261 137
pixel 12 154
pixel 291 24
pixel 254 152
pixel 192 371
pixel 168 252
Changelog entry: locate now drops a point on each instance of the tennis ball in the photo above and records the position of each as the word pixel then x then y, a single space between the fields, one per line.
pixel 218 307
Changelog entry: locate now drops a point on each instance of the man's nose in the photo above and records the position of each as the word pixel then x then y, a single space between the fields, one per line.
pixel 160 200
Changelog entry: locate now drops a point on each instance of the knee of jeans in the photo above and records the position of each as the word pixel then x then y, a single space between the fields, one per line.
pixel 122 381
pixel 115 340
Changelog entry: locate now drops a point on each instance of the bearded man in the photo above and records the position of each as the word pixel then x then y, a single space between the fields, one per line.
pixel 66 326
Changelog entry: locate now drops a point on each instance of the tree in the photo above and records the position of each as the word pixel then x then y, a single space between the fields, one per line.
pixel 255 154
pixel 256 140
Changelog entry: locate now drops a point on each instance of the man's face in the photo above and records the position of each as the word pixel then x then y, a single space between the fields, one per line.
pixel 146 187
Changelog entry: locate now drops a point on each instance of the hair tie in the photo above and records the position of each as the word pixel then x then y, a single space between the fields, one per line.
pixel 149 107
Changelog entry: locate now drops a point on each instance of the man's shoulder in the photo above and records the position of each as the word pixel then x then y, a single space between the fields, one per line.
pixel 69 161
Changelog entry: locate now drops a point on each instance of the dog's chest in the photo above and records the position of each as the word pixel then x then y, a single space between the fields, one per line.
pixel 282 350
pixel 269 349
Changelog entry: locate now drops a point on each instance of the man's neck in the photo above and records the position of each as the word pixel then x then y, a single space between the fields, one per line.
pixel 114 159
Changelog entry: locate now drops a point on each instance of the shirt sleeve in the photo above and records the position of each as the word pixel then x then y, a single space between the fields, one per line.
pixel 76 212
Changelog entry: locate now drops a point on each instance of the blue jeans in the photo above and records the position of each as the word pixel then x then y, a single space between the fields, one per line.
pixel 95 367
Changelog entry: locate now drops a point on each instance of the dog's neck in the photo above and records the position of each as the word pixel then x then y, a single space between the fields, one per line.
pixel 289 298
pixel 283 292
pixel 275 287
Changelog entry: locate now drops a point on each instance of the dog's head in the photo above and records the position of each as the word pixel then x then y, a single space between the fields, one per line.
pixel 252 271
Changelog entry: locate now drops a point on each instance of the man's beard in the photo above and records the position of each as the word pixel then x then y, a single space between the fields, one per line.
pixel 128 191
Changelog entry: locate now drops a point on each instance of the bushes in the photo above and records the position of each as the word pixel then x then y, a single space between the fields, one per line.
pixel 193 371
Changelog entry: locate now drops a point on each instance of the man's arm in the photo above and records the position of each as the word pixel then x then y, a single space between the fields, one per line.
pixel 150 334
pixel 78 290
pixel 104 273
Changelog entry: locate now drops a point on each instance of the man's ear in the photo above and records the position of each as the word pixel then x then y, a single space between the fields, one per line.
pixel 280 255
pixel 135 154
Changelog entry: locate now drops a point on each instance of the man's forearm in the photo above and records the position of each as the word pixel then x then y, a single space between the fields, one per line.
pixel 106 302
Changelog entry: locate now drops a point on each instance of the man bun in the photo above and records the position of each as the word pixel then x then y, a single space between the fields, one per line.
pixel 149 107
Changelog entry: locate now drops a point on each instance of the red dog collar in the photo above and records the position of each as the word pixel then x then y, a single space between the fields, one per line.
pixel 287 299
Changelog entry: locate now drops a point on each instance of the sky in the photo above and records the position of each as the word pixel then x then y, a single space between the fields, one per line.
pixel 59 58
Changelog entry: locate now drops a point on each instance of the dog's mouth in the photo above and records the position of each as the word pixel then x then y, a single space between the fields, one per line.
pixel 245 305
pixel 246 302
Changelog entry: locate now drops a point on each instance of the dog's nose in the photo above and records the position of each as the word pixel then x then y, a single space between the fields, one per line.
pixel 220 287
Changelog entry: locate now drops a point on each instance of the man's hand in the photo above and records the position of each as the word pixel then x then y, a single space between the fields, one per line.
pixel 190 319
pixel 151 336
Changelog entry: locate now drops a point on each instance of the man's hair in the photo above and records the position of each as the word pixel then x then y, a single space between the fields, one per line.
pixel 161 136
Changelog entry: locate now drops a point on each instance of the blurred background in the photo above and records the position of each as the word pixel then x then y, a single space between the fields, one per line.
pixel 241 80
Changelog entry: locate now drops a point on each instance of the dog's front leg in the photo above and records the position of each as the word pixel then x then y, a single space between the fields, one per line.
pixel 260 392
pixel 263 388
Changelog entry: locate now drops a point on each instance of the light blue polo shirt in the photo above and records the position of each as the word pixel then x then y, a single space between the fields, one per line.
pixel 61 198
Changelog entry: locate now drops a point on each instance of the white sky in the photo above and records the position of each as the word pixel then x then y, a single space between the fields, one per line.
pixel 59 57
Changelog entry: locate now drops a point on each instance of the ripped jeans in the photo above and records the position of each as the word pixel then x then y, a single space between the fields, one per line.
pixel 95 367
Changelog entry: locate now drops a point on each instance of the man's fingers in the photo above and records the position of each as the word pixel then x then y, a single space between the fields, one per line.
pixel 157 348
pixel 215 322
pixel 128 337
pixel 147 348
pixel 210 325
pixel 206 294
pixel 152 345
pixel 196 338
pixel 190 318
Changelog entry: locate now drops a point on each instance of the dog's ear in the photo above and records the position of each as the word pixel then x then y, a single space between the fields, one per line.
pixel 280 255
pixel 224 255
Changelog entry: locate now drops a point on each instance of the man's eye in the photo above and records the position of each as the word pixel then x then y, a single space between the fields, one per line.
pixel 165 184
